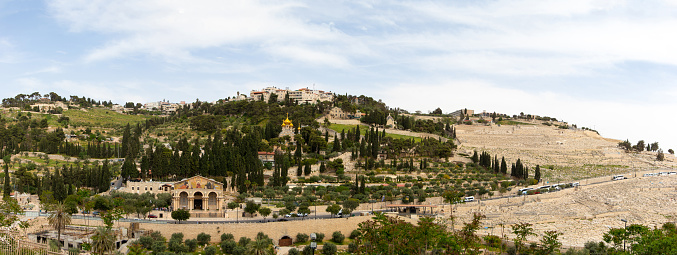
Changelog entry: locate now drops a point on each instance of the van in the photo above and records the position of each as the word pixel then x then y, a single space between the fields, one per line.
pixel 469 199
pixel 618 177
pixel 575 184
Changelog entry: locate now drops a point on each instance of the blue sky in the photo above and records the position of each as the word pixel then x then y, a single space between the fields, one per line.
pixel 608 65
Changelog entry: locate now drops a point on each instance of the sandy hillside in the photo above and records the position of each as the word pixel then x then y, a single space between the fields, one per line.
pixel 583 214
pixel 575 154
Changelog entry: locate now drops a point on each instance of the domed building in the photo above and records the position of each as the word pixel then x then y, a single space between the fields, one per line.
pixel 287 128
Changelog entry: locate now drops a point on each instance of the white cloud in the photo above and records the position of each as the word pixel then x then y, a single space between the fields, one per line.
pixel 165 28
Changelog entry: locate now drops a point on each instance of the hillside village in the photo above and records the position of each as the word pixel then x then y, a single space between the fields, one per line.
pixel 289 156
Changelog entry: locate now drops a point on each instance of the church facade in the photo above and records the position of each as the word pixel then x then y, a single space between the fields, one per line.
pixel 202 197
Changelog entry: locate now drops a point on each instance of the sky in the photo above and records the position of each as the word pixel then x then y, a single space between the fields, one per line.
pixel 607 65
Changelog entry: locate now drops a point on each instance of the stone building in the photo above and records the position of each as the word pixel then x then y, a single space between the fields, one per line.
pixel 140 187
pixel 202 197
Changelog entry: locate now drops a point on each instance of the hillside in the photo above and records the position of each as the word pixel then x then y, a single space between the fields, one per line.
pixel 571 153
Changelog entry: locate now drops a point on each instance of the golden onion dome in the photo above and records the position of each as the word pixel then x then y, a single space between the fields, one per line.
pixel 287 122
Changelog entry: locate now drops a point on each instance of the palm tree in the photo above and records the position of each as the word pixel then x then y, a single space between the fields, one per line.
pixel 59 218
pixel 103 240
pixel 259 247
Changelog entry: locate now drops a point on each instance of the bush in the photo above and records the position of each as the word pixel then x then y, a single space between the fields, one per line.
pixel 203 238
pixel 243 241
pixel 307 250
pixel 329 249
pixel 192 244
pixel 227 236
pixel 352 247
pixel 354 234
pixel 337 237
pixel 492 241
pixel 294 251
pixel 177 246
pixel 227 246
pixel 210 250
pixel 158 247
pixel 319 237
pixel 301 238
pixel 239 250
pixel 177 236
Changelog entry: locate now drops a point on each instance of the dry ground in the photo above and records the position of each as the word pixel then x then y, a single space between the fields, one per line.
pixel 575 154
pixel 583 214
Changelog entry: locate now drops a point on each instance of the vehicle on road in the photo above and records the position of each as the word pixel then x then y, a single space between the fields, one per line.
pixel 152 216
pixel 469 199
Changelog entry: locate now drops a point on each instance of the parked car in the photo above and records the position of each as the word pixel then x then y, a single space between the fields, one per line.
pixel 469 199
pixel 152 216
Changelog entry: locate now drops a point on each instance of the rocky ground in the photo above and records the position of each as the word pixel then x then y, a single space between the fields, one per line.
pixel 586 213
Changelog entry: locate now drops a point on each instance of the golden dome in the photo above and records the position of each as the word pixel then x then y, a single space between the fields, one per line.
pixel 287 123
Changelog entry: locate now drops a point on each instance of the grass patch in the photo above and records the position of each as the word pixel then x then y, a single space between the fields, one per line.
pixel 99 117
pixel 341 127
pixel 512 122
pixel 396 136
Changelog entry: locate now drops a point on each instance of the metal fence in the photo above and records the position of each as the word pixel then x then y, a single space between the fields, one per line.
pixel 9 245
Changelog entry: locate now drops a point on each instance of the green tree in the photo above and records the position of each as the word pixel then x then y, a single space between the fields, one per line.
pixel 521 230
pixel 59 218
pixel 260 247
pixel 180 215
pixel 203 238
pixel 350 205
pixel 251 207
pixel 264 211
pixel 6 189
pixel 333 209
pixel 549 242
pixel 9 211
pixel 103 240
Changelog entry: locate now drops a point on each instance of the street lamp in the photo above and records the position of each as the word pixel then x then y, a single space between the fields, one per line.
pixel 625 232
pixel 313 244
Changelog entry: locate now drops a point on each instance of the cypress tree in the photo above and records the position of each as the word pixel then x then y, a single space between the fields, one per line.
pixel 504 166
pixel 537 173
pixel 6 189
pixel 322 167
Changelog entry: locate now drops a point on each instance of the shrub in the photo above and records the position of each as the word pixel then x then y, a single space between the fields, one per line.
pixel 301 238
pixel 210 250
pixel 307 250
pixel 227 236
pixel 227 246
pixel 243 241
pixel 177 246
pixel 319 237
pixel 492 241
pixel 294 251
pixel 329 249
pixel 352 247
pixel 177 236
pixel 354 234
pixel 239 250
pixel 203 238
pixel 158 247
pixel 337 237
pixel 192 244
